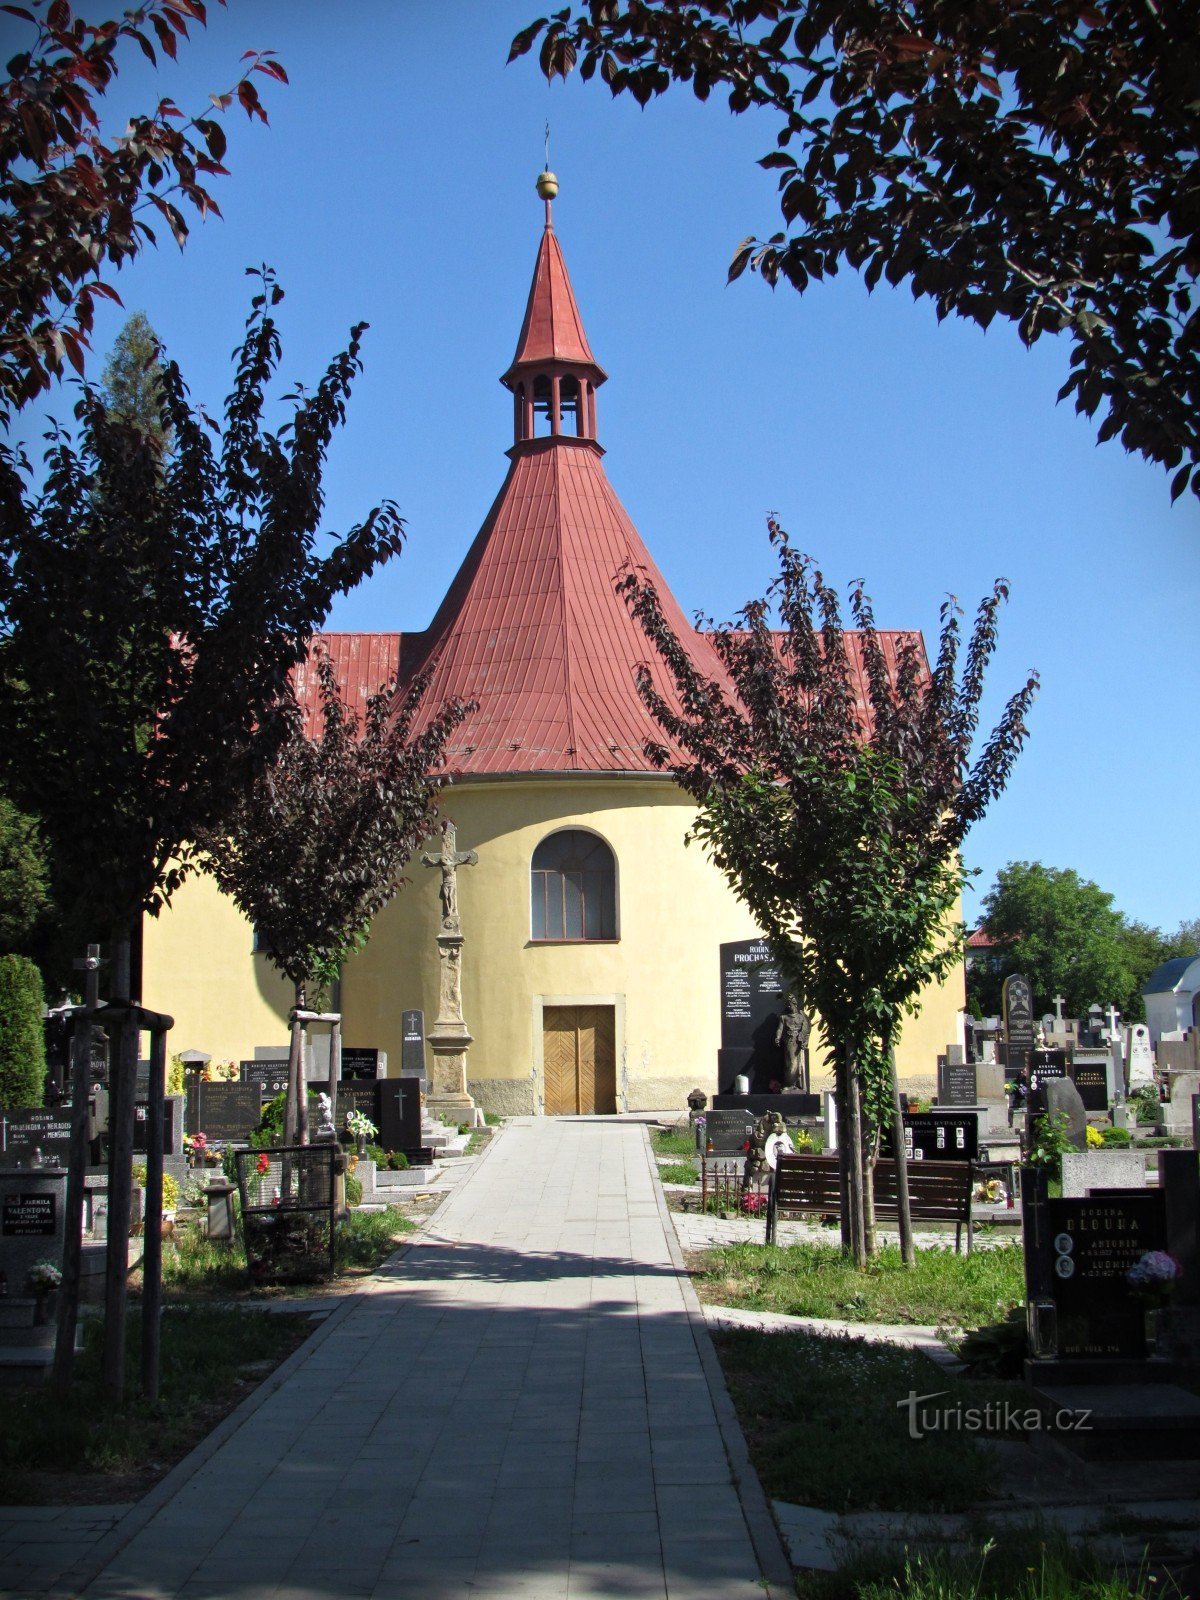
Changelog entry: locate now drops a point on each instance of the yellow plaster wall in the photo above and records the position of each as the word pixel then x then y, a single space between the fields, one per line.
pixel 674 910
pixel 197 965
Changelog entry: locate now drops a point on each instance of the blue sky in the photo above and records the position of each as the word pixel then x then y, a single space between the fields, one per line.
pixel 395 185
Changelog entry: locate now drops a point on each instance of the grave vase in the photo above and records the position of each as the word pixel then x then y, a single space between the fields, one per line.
pixel 45 1304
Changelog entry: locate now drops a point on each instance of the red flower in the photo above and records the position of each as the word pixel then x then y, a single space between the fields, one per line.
pixel 263 1164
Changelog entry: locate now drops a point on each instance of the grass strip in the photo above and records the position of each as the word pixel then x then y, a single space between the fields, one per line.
pixel 814 1279
pixel 1021 1564
pixel 199 1266
pixel 677 1172
pixel 211 1356
pixel 827 1425
pixel 673 1141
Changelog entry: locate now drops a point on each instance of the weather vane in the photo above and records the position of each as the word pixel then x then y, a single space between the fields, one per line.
pixel 547 147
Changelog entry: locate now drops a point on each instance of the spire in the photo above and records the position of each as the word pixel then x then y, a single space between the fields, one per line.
pixel 554 375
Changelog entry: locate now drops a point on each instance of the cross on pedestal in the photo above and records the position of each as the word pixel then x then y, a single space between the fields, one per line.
pixel 449 1038
pixel 1059 1002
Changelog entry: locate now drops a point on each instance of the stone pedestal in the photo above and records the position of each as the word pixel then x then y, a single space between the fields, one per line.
pixel 449 1038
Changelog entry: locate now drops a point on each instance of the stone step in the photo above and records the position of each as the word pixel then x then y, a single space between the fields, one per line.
pixel 1132 1421
pixel 29 1337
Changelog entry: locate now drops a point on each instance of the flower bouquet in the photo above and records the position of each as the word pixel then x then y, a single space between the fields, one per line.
pixel 43 1277
pixel 359 1124
pixel 1153 1278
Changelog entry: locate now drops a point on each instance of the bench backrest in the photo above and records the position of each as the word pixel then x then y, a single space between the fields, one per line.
pixel 808 1183
pixel 936 1189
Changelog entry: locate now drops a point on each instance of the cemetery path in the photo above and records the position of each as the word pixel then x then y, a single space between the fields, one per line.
pixel 525 1403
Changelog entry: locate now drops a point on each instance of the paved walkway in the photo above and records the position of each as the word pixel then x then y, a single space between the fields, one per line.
pixel 525 1404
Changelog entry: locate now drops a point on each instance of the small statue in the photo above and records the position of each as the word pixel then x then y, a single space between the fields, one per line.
pixel 325 1128
pixel 697 1101
pixel 792 1033
pixel 767 1142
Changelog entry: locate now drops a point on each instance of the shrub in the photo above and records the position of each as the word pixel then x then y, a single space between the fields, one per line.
pixel 1116 1136
pixel 22 1041
pixel 170 1197
pixel 353 1191
pixel 397 1161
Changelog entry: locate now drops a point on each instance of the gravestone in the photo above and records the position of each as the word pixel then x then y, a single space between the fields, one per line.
pixel 940 1136
pixel 363 1066
pixel 412 1045
pixel 1094 1242
pixel 753 996
pixel 1175 1114
pixel 1047 1065
pixel 356 1094
pixel 400 1116
pixel 32 1222
pixel 23 1132
pixel 224 1112
pixel 1017 1003
pixel 1090 1070
pixel 727 1133
pixel 1060 1098
pixel 1089 1170
pixel 957 1085
pixel 172 1128
pixel 270 1076
pixel 1139 1057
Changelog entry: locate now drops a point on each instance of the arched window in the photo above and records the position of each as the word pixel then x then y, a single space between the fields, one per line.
pixel 574 887
pixel 543 421
pixel 569 407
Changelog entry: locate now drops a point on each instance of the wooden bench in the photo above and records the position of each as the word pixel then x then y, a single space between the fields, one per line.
pixel 938 1191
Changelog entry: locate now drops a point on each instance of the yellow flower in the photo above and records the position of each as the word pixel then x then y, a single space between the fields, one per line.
pixel 1094 1141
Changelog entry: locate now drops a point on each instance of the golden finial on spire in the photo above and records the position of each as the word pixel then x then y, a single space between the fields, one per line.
pixel 547 183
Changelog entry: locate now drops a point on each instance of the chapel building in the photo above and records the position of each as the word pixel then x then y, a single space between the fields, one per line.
pixel 590 968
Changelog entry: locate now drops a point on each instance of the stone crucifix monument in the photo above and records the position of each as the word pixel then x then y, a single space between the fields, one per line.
pixel 449 1038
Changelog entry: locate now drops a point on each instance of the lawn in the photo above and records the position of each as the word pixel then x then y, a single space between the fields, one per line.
pixel 677 1171
pixel 83 1451
pixel 814 1279
pixel 826 1424
pixel 199 1267
pixel 673 1142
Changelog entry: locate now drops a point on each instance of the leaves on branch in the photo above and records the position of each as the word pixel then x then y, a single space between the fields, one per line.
pixel 1036 163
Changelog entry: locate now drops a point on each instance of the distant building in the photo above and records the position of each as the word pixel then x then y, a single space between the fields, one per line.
pixel 591 967
pixel 1172 996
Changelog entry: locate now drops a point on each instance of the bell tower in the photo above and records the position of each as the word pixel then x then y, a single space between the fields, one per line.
pixel 554 375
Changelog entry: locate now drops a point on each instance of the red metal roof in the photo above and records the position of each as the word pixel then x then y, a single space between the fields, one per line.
pixel 533 629
pixel 532 626
pixel 553 329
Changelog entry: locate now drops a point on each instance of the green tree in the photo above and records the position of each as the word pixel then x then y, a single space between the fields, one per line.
pixel 75 202
pixel 1065 934
pixel 24 890
pixel 1032 162
pixel 312 850
pixel 151 612
pixel 22 1045
pixel 132 381
pixel 1185 941
pixel 836 820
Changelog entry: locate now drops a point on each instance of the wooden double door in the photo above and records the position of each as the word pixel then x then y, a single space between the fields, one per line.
pixel 579 1052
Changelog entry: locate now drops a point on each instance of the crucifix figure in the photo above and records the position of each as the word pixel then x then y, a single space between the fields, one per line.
pixel 449 860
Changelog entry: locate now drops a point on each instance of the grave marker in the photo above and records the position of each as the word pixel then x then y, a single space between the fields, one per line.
pixel 956 1082
pixel 1094 1242
pixel 727 1133
pixel 1090 1072
pixel 1017 1002
pixel 224 1112
pixel 26 1130
pixel 1046 1065
pixel 412 1045
pixel 363 1066
pixel 270 1076
pixel 939 1136
pixel 400 1116
pixel 753 996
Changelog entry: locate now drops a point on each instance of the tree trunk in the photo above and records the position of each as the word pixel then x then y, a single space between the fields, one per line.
pixel 855 1164
pixel 870 1156
pixel 903 1208
pixel 842 1101
pixel 296 1105
pixel 81 1061
pixel 122 1109
pixel 153 1224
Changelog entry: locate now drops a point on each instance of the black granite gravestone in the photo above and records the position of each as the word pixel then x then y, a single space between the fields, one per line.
pixel 357 1095
pixel 727 1133
pixel 224 1112
pixel 752 1001
pixel 1091 1079
pixel 412 1045
pixel 1045 1065
pixel 1017 1003
pixel 270 1076
pixel 141 1123
pixel 941 1136
pixel 360 1066
pixel 400 1116
pixel 29 1216
pixel 956 1083
pixel 24 1131
pixel 1094 1242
